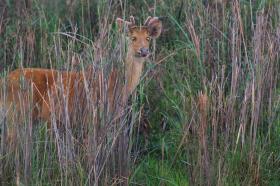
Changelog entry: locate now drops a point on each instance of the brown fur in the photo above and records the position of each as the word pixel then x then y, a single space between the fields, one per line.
pixel 41 84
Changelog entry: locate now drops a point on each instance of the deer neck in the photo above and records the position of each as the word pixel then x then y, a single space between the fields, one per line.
pixel 133 71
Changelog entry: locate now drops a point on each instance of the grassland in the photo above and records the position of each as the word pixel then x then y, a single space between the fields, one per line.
pixel 207 111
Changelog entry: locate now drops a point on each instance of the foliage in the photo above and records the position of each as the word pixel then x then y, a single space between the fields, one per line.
pixel 206 112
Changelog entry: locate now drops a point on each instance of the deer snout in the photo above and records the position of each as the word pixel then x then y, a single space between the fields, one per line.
pixel 144 52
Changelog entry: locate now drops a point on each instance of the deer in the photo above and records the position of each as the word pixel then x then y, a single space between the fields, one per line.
pixel 44 83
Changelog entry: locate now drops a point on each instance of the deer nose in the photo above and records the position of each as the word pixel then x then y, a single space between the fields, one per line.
pixel 144 52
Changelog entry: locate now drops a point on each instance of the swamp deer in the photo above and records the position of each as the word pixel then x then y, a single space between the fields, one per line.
pixel 44 83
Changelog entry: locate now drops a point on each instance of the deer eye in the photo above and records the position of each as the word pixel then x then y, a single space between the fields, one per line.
pixel 148 38
pixel 133 38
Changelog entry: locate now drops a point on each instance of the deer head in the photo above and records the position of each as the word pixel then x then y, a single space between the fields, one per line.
pixel 140 36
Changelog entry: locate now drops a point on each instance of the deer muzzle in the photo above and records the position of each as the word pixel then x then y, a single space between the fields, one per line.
pixel 144 52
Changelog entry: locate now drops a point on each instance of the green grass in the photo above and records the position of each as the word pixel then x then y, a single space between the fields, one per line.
pixel 235 63
pixel 156 172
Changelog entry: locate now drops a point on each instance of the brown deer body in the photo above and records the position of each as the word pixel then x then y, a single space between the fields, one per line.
pixel 43 83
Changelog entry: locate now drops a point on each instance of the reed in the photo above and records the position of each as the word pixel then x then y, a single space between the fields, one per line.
pixel 206 111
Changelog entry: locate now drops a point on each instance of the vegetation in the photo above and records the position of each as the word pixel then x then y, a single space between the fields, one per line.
pixel 205 113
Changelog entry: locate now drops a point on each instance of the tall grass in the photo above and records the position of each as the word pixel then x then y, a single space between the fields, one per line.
pixel 206 112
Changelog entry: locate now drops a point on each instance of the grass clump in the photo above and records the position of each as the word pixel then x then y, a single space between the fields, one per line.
pixel 206 112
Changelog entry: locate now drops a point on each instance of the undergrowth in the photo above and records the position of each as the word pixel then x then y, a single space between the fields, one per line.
pixel 206 111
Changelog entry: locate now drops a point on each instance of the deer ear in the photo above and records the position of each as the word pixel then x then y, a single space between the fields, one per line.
pixel 123 25
pixel 154 27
